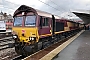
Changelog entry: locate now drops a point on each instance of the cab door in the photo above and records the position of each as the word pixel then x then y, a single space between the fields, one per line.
pixel 44 27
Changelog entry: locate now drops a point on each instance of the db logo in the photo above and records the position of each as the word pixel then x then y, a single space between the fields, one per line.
pixel 23 31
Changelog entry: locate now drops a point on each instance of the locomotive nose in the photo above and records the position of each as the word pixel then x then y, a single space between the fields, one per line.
pixel 27 35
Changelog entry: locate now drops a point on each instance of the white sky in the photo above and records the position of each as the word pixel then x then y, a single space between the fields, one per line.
pixel 34 3
pixel 63 5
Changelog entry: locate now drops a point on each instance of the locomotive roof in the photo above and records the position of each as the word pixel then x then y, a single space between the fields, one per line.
pixel 42 13
pixel 23 8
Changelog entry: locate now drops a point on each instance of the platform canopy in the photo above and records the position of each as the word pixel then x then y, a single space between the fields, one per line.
pixel 84 15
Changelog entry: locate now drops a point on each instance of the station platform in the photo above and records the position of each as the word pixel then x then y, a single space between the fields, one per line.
pixel 79 49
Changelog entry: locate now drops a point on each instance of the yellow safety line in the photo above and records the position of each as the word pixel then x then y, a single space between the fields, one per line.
pixel 53 53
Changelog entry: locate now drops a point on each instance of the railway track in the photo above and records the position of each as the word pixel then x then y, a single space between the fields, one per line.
pixel 18 57
pixel 5 35
pixel 4 42
pixel 5 39
pixel 8 54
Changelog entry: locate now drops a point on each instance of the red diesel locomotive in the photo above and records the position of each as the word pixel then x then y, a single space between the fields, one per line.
pixel 34 30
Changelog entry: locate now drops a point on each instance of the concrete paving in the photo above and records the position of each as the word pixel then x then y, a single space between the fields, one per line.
pixel 79 49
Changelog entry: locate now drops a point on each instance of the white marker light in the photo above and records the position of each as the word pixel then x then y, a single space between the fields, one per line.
pixel 22 13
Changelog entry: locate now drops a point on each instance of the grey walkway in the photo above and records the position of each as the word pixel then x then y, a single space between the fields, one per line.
pixel 79 49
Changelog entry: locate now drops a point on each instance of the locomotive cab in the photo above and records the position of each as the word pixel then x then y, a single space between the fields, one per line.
pixel 25 25
pixel 25 30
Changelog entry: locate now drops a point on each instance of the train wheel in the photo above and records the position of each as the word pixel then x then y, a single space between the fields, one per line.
pixel 32 49
pixel 18 50
pixel 27 50
pixel 39 46
pixel 35 48
pixel 46 44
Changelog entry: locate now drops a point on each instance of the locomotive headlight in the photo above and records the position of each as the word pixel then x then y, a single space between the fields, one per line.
pixel 32 38
pixel 14 36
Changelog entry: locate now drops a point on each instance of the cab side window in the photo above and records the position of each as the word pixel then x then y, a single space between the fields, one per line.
pixel 45 22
